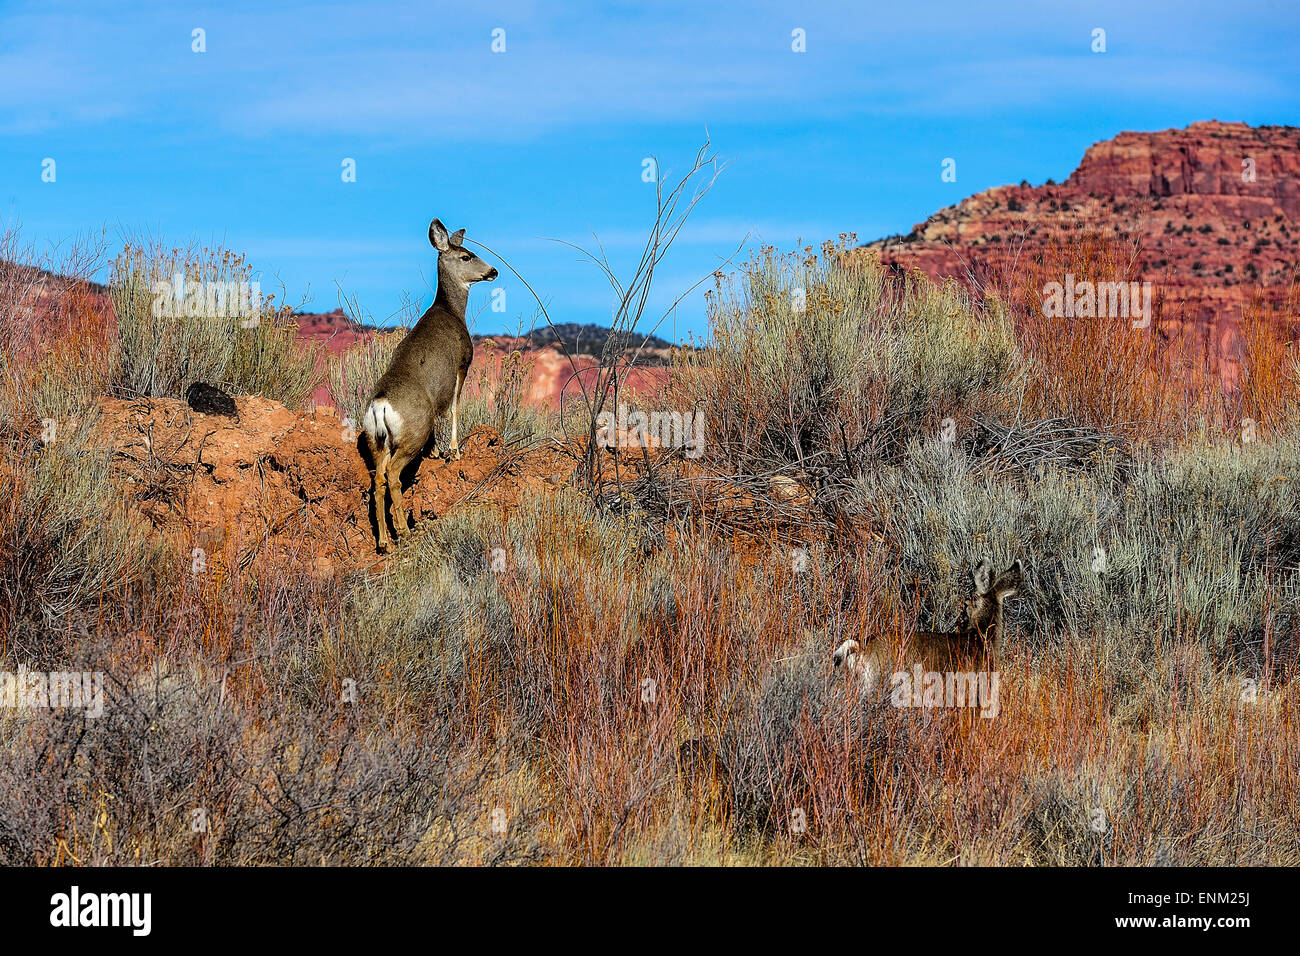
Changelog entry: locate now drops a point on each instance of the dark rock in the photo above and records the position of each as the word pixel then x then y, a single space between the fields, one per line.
pixel 210 400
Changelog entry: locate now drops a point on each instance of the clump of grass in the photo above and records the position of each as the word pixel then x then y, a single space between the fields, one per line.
pixel 1269 378
pixel 499 396
pixel 67 538
pixel 243 791
pixel 187 315
pixel 270 361
pixel 54 345
pixel 1099 371
pixel 1202 545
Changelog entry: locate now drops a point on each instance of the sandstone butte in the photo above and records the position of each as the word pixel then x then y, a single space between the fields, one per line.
pixel 1212 211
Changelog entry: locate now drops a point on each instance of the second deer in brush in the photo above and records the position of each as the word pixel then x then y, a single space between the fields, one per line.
pixel 976 642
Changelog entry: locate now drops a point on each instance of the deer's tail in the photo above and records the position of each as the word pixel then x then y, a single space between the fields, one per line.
pixel 382 426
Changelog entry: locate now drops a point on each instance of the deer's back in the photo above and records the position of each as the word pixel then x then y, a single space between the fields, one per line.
pixel 936 651
pixel 425 363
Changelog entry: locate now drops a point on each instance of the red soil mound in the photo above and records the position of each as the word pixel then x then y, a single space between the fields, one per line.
pixel 291 486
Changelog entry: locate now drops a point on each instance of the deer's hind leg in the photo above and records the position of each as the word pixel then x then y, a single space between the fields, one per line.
pixel 396 506
pixel 379 499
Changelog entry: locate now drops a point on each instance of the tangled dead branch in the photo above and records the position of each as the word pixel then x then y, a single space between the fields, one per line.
pixel 1030 449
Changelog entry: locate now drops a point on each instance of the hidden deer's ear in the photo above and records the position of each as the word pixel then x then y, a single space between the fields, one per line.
pixel 1009 581
pixel 981 575
pixel 438 237
pixel 457 237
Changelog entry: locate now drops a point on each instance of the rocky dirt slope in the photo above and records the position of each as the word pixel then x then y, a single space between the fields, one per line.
pixel 290 485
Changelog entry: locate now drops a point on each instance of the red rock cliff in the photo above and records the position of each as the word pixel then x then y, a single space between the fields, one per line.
pixel 1214 210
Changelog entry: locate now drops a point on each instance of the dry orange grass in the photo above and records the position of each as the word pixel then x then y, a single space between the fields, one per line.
pixel 1097 371
pixel 1269 381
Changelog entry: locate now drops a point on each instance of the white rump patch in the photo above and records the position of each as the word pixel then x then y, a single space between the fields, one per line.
pixel 861 666
pixel 382 423
pixel 845 653
pixel 870 675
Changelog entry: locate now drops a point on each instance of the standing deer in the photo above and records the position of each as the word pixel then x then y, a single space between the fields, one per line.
pixel 977 640
pixel 423 380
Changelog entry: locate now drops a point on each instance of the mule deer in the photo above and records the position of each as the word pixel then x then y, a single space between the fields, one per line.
pixel 423 380
pixel 977 640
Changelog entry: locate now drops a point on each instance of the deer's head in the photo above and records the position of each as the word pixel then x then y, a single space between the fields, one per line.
pixel 981 614
pixel 455 262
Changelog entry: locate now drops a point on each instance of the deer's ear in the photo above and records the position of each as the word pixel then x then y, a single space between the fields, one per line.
pixel 981 575
pixel 457 237
pixel 1008 582
pixel 438 237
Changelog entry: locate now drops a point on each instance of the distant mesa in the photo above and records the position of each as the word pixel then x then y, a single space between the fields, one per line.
pixel 1214 208
pixel 341 332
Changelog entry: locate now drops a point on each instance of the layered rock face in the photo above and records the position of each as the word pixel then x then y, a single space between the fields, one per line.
pixel 1213 211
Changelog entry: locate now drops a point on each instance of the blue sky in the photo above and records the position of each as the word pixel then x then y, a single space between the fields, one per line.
pixel 243 144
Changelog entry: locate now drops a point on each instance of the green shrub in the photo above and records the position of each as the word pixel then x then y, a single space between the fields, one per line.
pixel 813 353
pixel 186 316
pixel 68 541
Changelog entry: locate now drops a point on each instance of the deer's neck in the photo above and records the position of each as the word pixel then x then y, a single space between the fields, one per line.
pixel 451 296
pixel 991 638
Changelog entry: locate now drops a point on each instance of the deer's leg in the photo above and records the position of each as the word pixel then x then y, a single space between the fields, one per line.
pixel 397 509
pixel 455 416
pixel 378 500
